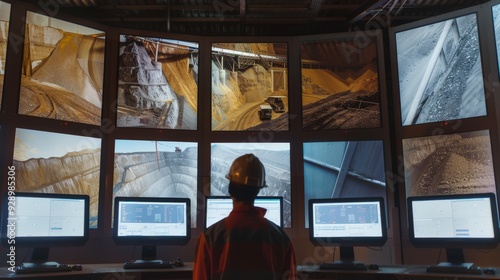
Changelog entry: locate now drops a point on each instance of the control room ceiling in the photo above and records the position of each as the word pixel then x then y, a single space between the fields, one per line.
pixel 257 17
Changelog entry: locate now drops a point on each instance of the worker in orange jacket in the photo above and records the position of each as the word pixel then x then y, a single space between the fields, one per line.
pixel 245 245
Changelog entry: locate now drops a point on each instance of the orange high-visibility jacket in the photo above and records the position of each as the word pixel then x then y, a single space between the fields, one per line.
pixel 245 245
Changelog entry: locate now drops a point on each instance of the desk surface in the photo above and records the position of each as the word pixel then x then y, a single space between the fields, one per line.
pixel 310 272
pixel 107 271
pixel 388 272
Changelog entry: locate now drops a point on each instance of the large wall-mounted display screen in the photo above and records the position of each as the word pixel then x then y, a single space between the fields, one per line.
pixel 63 70
pixel 457 163
pixel 48 162
pixel 250 86
pixel 496 25
pixel 440 71
pixel 157 83
pixel 341 169
pixel 276 160
pixel 149 168
pixel 340 84
pixel 4 36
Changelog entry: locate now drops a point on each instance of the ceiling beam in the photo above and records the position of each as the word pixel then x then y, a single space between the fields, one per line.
pixel 280 20
pixel 364 10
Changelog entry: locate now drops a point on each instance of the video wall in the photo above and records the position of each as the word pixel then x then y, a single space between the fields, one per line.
pixel 445 81
pixel 169 112
pixel 448 132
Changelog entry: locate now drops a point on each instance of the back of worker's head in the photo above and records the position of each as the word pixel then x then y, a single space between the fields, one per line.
pixel 247 176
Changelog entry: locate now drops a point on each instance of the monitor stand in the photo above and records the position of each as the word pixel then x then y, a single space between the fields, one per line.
pixel 39 263
pixel 455 258
pixel 346 262
pixel 148 253
pixel 148 260
pixel 455 264
pixel 39 257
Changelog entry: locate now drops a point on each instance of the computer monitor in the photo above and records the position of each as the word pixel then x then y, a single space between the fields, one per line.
pixel 347 222
pixel 219 207
pixel 453 222
pixel 44 220
pixel 151 221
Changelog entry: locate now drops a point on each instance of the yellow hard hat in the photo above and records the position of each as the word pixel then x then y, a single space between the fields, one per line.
pixel 248 170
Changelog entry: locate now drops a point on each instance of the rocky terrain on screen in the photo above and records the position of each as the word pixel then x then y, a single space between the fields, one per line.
pixel 449 164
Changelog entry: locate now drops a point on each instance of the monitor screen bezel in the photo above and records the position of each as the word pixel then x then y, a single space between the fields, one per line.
pixel 349 240
pixel 454 242
pixel 38 241
pixel 151 240
pixel 207 198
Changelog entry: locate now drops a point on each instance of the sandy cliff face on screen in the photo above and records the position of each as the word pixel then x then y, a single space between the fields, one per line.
pixel 135 174
pixel 73 173
pixel 62 75
pixel 162 174
pixel 156 174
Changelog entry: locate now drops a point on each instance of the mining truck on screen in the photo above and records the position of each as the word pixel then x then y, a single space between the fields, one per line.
pixel 276 102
